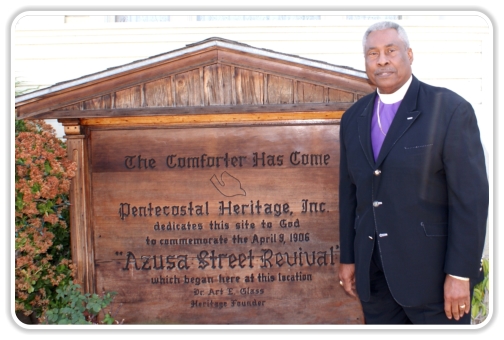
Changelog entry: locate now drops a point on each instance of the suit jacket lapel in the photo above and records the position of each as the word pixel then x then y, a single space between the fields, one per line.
pixel 364 130
pixel 404 118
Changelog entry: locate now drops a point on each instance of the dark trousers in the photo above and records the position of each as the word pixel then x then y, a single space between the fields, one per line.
pixel 383 309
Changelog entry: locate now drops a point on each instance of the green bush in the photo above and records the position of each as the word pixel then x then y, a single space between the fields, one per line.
pixel 77 308
pixel 479 307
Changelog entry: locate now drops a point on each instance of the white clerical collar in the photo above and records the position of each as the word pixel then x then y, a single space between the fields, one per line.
pixel 397 95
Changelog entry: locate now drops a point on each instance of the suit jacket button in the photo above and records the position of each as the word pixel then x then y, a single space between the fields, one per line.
pixel 376 204
pixel 370 237
pixel 377 172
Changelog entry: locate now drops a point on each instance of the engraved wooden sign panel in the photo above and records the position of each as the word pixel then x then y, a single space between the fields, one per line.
pixel 219 225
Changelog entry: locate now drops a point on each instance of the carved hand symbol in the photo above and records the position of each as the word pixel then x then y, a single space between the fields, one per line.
pixel 229 186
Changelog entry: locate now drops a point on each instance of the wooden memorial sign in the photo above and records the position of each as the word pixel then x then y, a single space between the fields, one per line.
pixel 217 215
pixel 219 225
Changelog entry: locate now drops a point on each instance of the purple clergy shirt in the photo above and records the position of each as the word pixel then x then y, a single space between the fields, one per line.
pixel 387 114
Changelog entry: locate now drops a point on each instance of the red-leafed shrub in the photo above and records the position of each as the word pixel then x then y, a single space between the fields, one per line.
pixel 42 245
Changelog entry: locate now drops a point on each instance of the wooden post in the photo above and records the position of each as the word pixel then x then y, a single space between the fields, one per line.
pixel 81 245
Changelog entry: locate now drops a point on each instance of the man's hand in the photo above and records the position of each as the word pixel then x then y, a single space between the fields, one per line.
pixel 347 278
pixel 457 297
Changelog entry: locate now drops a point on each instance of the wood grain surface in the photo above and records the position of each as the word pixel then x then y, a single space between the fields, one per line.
pixel 219 225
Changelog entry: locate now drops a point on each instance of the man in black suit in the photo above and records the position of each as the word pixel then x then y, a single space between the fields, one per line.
pixel 413 193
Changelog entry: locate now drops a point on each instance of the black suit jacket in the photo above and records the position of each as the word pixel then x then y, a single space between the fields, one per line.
pixel 425 198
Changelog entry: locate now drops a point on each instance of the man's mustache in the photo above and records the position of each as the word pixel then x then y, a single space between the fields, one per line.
pixel 384 70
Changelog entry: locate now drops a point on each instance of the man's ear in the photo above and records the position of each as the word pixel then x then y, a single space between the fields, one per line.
pixel 410 55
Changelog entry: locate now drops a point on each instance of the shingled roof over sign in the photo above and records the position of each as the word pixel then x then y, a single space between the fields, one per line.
pixel 214 75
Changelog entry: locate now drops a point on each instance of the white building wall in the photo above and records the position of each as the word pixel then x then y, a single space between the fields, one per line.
pixel 452 51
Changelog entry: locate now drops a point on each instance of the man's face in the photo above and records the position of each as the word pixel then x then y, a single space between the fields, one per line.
pixel 388 61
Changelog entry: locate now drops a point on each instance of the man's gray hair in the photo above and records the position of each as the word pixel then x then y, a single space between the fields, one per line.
pixel 382 26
